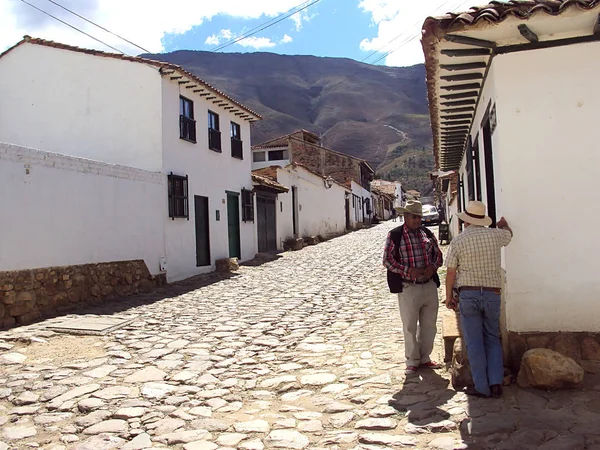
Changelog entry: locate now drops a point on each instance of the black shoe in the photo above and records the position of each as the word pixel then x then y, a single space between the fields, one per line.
pixel 496 390
pixel 474 392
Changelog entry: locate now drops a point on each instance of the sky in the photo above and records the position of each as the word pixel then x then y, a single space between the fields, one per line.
pixel 383 32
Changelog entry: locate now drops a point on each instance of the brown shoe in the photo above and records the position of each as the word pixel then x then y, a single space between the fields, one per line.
pixel 496 390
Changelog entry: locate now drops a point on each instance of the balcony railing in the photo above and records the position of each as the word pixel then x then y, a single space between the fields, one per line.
pixel 187 128
pixel 214 139
pixel 236 148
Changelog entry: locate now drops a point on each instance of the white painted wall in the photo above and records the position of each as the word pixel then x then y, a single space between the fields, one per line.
pixel 320 210
pixel 210 174
pixel 546 159
pixel 81 105
pixel 69 211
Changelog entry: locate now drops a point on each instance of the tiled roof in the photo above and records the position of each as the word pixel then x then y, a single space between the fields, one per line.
pixel 472 38
pixel 269 183
pixel 496 12
pixel 164 66
pixel 269 172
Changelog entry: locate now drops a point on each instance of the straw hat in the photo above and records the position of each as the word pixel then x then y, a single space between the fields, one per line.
pixel 412 207
pixel 475 214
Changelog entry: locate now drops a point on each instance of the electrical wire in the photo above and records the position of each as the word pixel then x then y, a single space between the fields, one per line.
pixel 71 26
pixel 99 26
pixel 267 24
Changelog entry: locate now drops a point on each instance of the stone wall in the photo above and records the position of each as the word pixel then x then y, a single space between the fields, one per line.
pixel 30 295
pixel 578 346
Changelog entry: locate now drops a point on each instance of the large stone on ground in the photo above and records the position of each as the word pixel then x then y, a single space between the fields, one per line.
pixel 546 369
pixel 288 439
pixel 460 369
pixel 227 265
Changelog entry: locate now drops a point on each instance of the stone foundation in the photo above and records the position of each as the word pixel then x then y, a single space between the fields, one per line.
pixel 30 295
pixel 578 346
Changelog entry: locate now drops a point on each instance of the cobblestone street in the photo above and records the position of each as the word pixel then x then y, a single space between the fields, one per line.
pixel 304 351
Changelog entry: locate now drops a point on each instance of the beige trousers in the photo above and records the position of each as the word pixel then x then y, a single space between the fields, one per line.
pixel 418 311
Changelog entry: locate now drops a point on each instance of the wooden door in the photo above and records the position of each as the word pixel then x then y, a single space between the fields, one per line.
pixel 202 231
pixel 233 225
pixel 266 224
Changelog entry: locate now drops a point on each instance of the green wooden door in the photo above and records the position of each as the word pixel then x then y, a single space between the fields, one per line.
pixel 233 225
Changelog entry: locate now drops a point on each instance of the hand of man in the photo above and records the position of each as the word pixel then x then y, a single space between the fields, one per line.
pixel 451 303
pixel 415 273
pixel 429 271
pixel 502 223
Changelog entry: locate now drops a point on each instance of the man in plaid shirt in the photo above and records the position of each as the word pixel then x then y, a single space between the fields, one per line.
pixel 473 263
pixel 414 253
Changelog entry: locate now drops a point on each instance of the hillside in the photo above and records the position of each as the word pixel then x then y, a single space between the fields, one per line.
pixel 377 113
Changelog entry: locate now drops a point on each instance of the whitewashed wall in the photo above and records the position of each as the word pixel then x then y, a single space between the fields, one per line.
pixel 59 210
pixel 547 160
pixel 82 105
pixel 210 174
pixel 320 210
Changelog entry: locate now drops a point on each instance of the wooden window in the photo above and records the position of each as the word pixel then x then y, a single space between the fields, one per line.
pixel 258 156
pixel 187 124
pixel 278 155
pixel 236 141
pixel 247 205
pixel 470 174
pixel 178 196
pixel 214 135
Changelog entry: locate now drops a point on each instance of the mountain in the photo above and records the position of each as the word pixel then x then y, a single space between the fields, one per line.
pixel 377 113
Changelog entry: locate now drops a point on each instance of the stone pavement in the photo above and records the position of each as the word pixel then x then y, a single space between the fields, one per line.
pixel 304 351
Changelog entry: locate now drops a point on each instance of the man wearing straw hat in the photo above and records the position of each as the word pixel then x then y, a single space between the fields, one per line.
pixel 412 252
pixel 473 263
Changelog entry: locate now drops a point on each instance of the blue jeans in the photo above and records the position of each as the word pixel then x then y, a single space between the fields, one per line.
pixel 480 319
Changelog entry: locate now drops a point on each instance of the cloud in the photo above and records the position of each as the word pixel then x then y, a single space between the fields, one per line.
pixel 216 39
pixel 286 39
pixel 140 21
pixel 256 42
pixel 398 26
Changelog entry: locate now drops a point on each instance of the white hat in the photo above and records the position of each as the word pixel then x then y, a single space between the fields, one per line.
pixel 475 214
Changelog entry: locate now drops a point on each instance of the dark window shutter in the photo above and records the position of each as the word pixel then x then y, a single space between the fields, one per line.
pixel 470 174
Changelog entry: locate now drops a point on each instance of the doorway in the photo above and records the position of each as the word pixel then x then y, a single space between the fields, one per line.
pixel 266 225
pixel 202 231
pixel 233 224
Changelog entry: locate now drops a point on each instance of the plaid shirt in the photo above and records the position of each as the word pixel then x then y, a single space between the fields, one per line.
pixel 475 253
pixel 416 250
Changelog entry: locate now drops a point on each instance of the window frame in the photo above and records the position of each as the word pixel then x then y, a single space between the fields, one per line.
pixel 283 156
pixel 247 205
pixel 264 156
pixel 178 199
pixel 187 123
pixel 237 146
pixel 214 133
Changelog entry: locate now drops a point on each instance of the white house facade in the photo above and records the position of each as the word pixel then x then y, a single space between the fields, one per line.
pixel 514 104
pixel 149 116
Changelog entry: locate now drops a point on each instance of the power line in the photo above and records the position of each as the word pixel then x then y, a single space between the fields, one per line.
pixel 99 26
pixel 71 26
pixel 267 24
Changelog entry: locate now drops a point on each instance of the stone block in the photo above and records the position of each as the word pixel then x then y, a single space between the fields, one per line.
pixel 590 349
pixel 9 298
pixel 145 286
pixel 19 309
pixel 23 297
pixel 2 311
pixel 538 341
pixel 311 240
pixel 29 317
pixel 7 322
pixel 567 344
pixel 546 369
pixel 460 370
pixel 293 244
pixel 225 265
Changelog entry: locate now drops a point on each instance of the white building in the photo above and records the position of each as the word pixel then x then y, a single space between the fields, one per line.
pixel 313 206
pixel 514 99
pixel 141 114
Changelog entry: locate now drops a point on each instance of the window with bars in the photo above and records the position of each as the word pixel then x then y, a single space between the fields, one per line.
pixel 187 124
pixel 178 196
pixel 247 205
pixel 214 135
pixel 236 141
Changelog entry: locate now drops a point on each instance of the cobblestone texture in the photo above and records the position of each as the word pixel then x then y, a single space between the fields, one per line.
pixel 304 351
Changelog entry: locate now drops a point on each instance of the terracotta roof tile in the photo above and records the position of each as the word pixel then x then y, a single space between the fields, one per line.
pixel 269 183
pixel 268 172
pixel 137 59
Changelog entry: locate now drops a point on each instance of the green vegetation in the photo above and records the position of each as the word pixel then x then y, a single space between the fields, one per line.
pixel 410 167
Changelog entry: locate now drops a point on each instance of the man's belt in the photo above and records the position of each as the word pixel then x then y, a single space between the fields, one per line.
pixel 479 288
pixel 417 282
